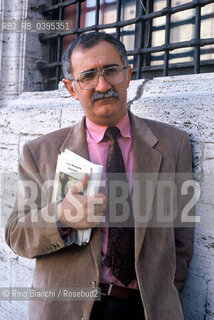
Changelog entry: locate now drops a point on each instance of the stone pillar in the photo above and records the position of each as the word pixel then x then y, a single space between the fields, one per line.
pixel 20 51
pixel 1 34
pixel 13 47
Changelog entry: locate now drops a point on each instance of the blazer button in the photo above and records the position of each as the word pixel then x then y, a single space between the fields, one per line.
pixel 93 284
pixel 83 318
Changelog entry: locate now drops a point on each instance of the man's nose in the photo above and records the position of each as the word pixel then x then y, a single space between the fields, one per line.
pixel 102 84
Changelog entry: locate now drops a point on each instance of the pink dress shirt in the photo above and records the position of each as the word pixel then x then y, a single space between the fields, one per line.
pixel 98 150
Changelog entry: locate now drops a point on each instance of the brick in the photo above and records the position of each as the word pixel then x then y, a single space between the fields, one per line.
pixel 71 113
pixel 210 299
pixel 206 212
pixel 209 151
pixel 37 121
pixel 194 301
pixel 183 101
pixel 197 154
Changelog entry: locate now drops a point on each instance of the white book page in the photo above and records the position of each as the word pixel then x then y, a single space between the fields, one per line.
pixel 71 168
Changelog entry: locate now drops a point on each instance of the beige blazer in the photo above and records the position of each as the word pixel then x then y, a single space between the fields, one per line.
pixel 162 255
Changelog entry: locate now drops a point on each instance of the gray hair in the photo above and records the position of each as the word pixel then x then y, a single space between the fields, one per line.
pixel 89 40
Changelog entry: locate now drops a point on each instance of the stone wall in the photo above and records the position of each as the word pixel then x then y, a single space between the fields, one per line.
pixel 182 101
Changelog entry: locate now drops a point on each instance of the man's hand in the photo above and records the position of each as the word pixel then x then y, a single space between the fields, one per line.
pixel 80 211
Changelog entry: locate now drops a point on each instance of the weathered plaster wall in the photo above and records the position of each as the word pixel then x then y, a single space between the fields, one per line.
pixel 182 101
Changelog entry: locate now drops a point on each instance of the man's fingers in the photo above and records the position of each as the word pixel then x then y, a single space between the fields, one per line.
pixel 97 198
pixel 98 208
pixel 80 211
pixel 100 195
pixel 80 185
pixel 96 203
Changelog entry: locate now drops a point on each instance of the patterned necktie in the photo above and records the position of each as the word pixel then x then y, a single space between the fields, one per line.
pixel 120 251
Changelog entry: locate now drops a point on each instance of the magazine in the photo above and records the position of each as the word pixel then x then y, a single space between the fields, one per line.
pixel 71 168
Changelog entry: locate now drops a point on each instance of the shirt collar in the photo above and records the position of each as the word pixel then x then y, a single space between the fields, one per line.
pixel 97 132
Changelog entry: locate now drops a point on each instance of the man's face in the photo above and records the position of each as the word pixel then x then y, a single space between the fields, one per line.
pixel 105 111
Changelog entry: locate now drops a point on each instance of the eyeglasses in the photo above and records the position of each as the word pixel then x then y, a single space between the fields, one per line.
pixel 89 79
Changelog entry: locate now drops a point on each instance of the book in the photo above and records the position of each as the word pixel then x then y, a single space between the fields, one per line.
pixel 69 170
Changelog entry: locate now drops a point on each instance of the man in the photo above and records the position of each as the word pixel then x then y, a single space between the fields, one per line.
pixel 97 74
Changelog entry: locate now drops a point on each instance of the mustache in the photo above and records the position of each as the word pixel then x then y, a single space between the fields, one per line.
pixel 102 95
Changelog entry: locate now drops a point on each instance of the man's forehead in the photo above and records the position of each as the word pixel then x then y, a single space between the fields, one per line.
pixel 83 49
pixel 103 52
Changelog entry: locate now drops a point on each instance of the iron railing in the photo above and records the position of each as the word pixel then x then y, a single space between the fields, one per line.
pixel 143 52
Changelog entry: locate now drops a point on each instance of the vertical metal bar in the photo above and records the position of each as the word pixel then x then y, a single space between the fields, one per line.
pixel 78 12
pixel 167 39
pixel 97 12
pixel 47 74
pixel 59 41
pixel 197 37
pixel 59 47
pixel 118 18
pixel 148 31
pixel 140 45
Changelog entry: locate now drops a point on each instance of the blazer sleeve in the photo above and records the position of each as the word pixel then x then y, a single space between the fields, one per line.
pixel 32 230
pixel 184 233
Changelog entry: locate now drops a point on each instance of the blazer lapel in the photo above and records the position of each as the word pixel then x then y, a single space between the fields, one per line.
pixel 76 140
pixel 146 162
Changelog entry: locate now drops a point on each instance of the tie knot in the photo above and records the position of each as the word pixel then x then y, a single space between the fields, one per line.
pixel 112 133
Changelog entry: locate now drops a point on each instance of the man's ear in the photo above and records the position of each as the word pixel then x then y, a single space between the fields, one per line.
pixel 128 74
pixel 70 86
